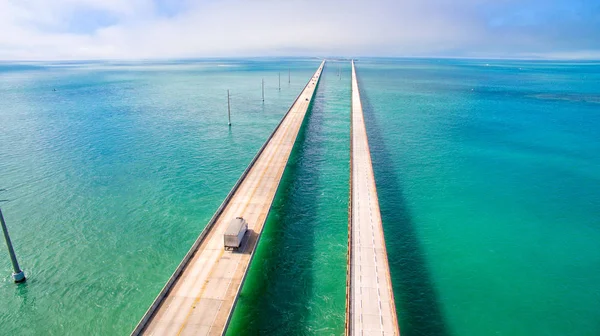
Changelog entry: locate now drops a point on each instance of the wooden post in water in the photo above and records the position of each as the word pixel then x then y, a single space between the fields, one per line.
pixel 280 81
pixel 263 89
pixel 18 274
pixel 289 76
pixel 228 109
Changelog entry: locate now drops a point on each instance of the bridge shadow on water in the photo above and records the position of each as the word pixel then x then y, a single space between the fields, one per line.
pixel 417 304
pixel 275 297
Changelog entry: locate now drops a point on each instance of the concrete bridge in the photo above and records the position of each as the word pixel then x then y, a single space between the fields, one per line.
pixel 200 296
pixel 370 300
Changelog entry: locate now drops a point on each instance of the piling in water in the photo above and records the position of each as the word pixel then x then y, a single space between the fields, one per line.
pixel 18 274
pixel 228 109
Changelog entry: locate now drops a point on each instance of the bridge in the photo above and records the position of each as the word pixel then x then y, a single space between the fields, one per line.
pixel 370 308
pixel 199 298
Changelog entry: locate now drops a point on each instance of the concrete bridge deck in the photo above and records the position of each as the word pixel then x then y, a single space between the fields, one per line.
pixel 199 298
pixel 370 307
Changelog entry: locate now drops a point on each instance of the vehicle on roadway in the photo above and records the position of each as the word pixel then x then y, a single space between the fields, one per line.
pixel 235 233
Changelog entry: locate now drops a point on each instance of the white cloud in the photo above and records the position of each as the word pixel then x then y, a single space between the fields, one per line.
pixel 40 29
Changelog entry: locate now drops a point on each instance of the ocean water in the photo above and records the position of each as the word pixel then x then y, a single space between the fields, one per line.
pixel 488 175
pixel 112 177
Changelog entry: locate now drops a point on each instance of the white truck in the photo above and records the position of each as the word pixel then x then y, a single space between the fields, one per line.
pixel 235 233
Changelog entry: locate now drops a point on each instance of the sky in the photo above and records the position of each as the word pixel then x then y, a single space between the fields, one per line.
pixel 168 29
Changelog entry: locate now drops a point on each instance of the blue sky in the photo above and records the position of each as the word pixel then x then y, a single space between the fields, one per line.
pixel 133 29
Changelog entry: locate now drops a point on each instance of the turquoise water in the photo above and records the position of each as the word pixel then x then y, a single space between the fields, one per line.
pixel 488 176
pixel 112 177
pixel 489 181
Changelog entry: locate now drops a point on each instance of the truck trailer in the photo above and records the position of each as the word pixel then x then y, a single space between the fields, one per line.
pixel 235 233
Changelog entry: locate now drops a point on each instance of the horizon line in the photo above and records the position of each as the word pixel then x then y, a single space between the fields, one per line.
pixel 334 58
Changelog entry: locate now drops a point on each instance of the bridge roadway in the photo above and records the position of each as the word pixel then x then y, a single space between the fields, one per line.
pixel 370 307
pixel 200 296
